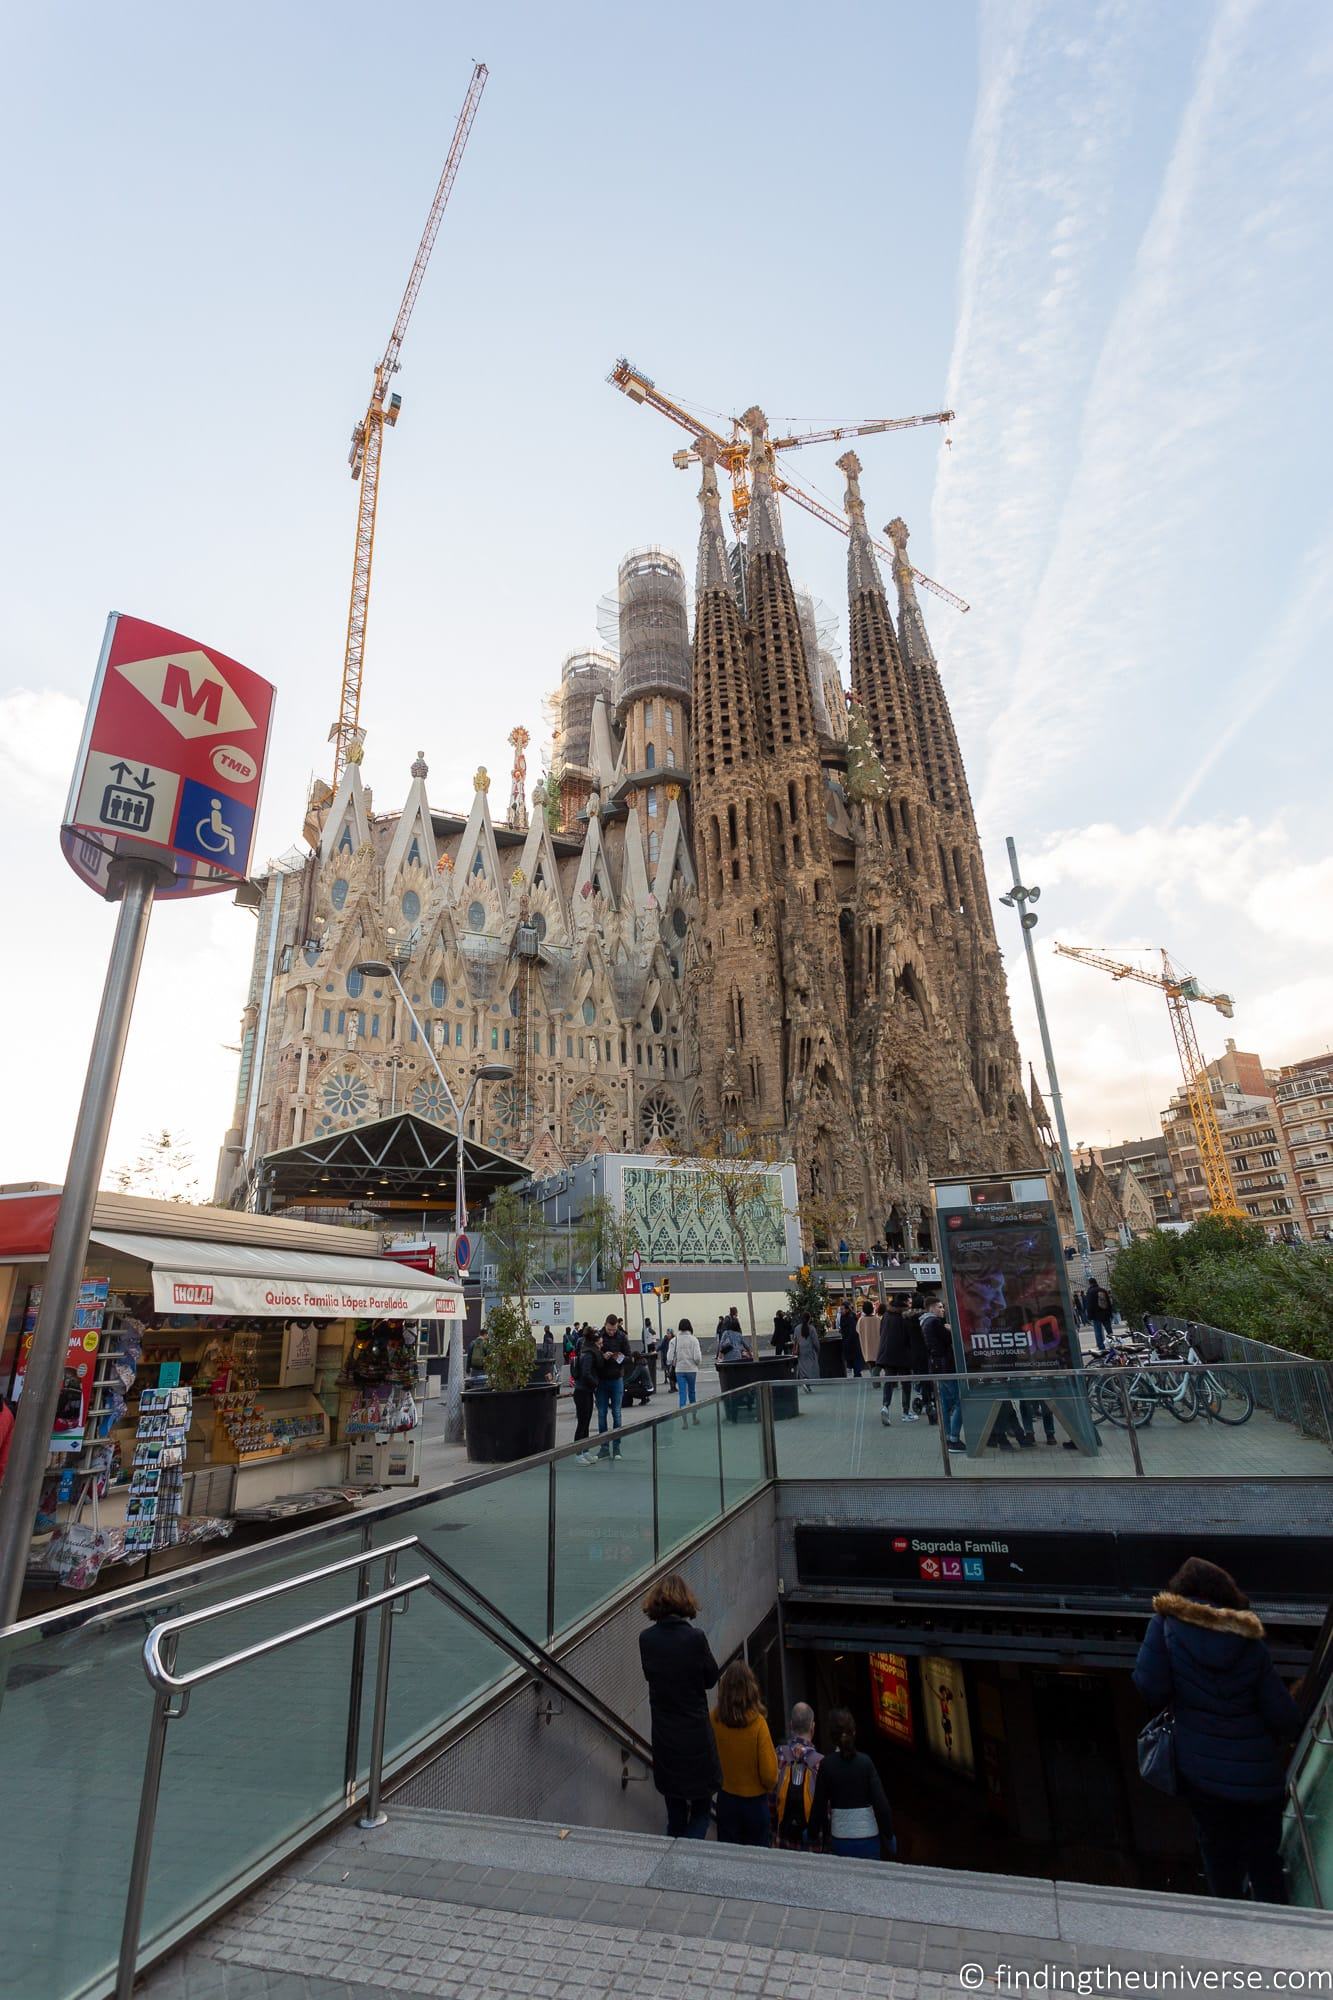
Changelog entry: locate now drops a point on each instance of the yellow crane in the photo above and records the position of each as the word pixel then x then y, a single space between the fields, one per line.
pixel 368 442
pixel 1181 988
pixel 733 453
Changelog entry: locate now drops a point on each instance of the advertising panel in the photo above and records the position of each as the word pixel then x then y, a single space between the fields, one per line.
pixel 1006 1277
pixel 891 1697
pixel 948 1726
pixel 171 761
pixel 71 1418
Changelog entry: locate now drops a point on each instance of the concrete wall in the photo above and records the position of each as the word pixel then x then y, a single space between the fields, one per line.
pixel 517 1763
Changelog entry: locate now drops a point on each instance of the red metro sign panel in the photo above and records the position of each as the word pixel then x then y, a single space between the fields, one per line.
pixel 171 762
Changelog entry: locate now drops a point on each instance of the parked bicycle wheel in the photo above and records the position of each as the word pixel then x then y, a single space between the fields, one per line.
pixel 1115 1392
pixel 1179 1394
pixel 1227 1399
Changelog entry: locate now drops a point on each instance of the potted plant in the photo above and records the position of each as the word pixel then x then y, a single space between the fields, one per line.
pixel 513 1415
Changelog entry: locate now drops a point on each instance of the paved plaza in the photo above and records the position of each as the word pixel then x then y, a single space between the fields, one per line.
pixel 449 1905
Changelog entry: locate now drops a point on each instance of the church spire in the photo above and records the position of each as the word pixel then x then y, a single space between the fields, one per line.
pixel 765 530
pixel 714 570
pixel 783 700
pixel 943 760
pixel 879 681
pixel 724 735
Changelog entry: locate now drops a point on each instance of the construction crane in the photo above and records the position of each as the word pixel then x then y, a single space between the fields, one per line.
pixel 1180 989
pixel 733 453
pixel 368 442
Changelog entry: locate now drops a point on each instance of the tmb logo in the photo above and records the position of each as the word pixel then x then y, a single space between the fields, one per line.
pixel 191 1295
pixel 189 691
pixel 899 1544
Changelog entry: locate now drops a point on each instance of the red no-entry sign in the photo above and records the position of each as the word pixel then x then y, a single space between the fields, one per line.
pixel 171 762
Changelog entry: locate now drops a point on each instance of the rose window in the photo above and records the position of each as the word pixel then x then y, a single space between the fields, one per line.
pixel 588 1112
pixel 659 1117
pixel 430 1101
pixel 345 1094
pixel 506 1103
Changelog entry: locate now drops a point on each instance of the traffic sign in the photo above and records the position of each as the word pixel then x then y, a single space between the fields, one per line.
pixel 637 1261
pixel 629 1284
pixel 171 762
pixel 462 1251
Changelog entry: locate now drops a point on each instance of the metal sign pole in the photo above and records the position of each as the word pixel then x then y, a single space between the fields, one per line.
pixel 1021 897
pixel 30 1446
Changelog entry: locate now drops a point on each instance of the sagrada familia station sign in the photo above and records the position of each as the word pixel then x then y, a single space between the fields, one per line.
pixel 746 898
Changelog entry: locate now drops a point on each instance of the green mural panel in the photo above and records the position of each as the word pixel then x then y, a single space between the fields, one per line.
pixel 675 1222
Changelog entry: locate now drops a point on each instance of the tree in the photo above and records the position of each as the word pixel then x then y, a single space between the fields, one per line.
pixel 728 1172
pixel 162 1170
pixel 827 1219
pixel 606 1234
pixel 1224 1272
pixel 516 1239
pixel 807 1294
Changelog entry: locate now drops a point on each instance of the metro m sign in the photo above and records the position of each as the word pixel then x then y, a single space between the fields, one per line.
pixel 171 761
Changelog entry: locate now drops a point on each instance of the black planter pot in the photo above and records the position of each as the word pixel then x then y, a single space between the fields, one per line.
pixel 832 1363
pixel 504 1424
pixel 769 1368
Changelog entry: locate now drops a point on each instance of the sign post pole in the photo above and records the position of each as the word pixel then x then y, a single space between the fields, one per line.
pixel 31 1443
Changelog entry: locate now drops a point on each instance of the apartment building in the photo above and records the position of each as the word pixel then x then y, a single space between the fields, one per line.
pixel 1303 1097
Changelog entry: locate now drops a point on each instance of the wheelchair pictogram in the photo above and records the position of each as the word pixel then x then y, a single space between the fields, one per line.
pixel 213 833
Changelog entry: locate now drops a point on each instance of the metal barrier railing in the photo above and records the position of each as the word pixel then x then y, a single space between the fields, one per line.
pixel 462 1597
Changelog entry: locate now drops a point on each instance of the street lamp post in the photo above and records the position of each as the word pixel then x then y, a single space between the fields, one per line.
pixel 381 968
pixel 1018 899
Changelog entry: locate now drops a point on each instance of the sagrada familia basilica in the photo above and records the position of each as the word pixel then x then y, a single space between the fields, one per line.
pixel 746 901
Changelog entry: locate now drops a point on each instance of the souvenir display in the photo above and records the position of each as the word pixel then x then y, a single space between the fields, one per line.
pixel 157 1475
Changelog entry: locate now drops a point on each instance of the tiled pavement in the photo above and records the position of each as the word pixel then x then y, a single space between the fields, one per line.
pixel 445 1904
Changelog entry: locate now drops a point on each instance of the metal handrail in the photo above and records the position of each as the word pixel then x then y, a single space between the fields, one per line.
pixel 159 1661
pixel 535 1658
pixel 161 1678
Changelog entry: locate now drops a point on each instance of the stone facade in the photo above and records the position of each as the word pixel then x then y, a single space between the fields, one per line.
pixel 749 902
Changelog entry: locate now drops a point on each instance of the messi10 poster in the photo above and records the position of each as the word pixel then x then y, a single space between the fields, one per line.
pixel 1006 1274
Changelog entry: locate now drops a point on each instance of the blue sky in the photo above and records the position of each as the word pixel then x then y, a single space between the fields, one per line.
pixel 1102 232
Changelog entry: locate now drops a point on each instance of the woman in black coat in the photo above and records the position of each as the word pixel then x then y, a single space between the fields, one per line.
pixel 895 1358
pixel 1204 1656
pixel 679 1668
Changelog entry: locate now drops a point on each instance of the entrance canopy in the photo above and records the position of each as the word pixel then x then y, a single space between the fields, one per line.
pixel 400 1159
pixel 224 1280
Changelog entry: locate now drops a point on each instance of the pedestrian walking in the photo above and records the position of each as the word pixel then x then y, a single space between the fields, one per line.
pixel 798 1767
pixel 892 1356
pixel 1100 1308
pixel 587 1376
pixel 807 1352
pixel 851 1807
pixel 687 1359
pixel 1204 1658
pixel 867 1332
pixel 748 1759
pixel 731 1342
pixel 783 1335
pixel 851 1345
pixel 679 1668
pixel 940 1360
pixel 669 1357
pixel 613 1354
pixel 920 1401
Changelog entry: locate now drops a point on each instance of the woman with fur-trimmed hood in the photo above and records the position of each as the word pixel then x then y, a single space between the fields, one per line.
pixel 1204 1656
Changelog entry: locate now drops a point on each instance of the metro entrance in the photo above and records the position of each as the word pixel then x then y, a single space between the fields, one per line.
pixel 1007 1743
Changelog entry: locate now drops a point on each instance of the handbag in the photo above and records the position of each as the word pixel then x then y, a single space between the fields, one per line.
pixel 1157 1753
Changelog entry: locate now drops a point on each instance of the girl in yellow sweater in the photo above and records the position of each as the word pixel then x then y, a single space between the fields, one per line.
pixel 749 1761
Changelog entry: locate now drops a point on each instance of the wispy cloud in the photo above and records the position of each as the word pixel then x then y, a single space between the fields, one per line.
pixel 1089 546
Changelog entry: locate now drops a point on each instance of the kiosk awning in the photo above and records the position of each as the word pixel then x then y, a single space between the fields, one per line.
pixel 225 1280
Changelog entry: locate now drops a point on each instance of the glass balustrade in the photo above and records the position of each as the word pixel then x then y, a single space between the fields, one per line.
pixel 261 1757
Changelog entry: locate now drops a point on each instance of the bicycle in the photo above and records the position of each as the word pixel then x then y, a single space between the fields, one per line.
pixel 1226 1399
pixel 1150 1387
